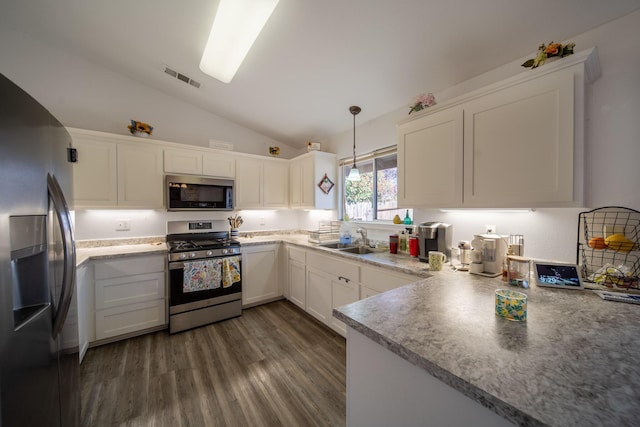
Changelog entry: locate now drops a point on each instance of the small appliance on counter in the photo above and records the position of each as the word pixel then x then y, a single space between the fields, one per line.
pixel 489 251
pixel 434 236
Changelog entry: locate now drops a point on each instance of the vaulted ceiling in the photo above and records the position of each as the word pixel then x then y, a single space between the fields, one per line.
pixel 313 59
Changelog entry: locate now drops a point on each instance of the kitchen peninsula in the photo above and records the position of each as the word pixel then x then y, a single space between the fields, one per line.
pixel 446 357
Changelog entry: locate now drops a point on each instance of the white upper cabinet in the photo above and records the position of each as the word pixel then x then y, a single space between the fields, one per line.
pixel 514 144
pixel 275 182
pixel 430 160
pixel 95 175
pixel 113 172
pixel 194 162
pixel 305 173
pixel 219 165
pixel 183 161
pixel 261 183
pixel 519 145
pixel 140 176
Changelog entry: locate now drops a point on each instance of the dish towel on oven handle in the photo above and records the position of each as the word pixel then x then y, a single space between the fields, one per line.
pixel 202 275
pixel 230 271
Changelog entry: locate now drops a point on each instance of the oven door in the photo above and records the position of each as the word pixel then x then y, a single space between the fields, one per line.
pixel 204 279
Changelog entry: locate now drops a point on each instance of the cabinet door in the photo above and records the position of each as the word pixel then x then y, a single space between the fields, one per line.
pixel 295 184
pixel 430 160
pixel 307 183
pixel 219 166
pixel 130 318
pixel 275 184
pixel 95 176
pixel 248 183
pixel 86 320
pixel 518 145
pixel 260 274
pixel 183 161
pixel 140 175
pixel 342 292
pixel 379 280
pixel 319 295
pixel 297 284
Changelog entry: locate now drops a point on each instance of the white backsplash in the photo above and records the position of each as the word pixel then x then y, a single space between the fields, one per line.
pixel 102 224
pixel 549 233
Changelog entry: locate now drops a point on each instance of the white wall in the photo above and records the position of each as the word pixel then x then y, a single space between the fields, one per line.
pixel 84 95
pixel 101 224
pixel 613 145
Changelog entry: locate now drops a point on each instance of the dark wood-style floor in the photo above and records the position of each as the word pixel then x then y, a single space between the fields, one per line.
pixel 272 366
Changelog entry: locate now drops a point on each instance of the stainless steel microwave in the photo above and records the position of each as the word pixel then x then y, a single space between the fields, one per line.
pixel 195 193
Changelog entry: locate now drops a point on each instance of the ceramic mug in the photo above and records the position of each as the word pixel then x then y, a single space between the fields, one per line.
pixel 436 259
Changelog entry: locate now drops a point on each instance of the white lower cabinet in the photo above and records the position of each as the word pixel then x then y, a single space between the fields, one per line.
pixel 129 295
pixel 85 300
pixel 343 292
pixel 297 277
pixel 260 278
pixel 319 294
pixel 331 282
pixel 374 280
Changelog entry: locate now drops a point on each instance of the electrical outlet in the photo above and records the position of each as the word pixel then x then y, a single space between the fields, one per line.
pixel 490 229
pixel 122 225
pixel 262 221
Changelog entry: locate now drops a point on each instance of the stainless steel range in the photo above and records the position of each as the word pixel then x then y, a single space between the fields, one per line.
pixel 205 283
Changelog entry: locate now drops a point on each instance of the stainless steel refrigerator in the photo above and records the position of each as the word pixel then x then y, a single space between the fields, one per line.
pixel 39 365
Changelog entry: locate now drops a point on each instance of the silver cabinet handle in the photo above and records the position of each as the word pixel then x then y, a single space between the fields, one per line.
pixel 69 271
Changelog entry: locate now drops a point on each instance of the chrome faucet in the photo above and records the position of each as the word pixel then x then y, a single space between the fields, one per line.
pixel 363 233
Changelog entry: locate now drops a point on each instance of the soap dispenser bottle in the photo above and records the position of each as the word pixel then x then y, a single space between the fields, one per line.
pixel 402 242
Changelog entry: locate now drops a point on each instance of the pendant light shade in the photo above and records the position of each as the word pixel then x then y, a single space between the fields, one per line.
pixel 354 174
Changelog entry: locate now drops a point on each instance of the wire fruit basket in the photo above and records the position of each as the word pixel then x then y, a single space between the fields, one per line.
pixel 609 247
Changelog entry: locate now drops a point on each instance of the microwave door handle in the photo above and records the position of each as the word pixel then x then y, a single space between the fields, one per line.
pixel 68 273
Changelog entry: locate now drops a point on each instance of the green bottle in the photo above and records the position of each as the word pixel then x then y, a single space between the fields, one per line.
pixel 407 220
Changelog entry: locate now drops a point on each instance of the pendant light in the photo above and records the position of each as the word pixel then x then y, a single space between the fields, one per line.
pixel 354 174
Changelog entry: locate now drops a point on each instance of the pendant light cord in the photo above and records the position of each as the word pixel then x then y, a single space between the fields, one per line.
pixel 354 140
pixel 354 109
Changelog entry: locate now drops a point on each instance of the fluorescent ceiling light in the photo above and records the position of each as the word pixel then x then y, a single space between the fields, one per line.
pixel 235 28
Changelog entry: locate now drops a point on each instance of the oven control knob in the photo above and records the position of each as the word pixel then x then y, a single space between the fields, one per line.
pixel 209 253
pixel 192 254
pixel 183 256
pixel 225 251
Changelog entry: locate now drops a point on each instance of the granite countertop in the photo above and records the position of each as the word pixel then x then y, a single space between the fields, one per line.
pixel 93 251
pixel 574 362
pixel 401 263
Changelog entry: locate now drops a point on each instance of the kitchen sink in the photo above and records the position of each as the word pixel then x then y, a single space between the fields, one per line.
pixel 360 250
pixel 336 245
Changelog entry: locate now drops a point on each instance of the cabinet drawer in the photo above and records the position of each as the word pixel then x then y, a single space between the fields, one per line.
pixel 122 320
pixel 130 289
pixel 296 254
pixel 129 266
pixel 382 281
pixel 334 265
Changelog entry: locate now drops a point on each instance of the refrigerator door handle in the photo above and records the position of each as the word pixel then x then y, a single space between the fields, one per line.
pixel 69 270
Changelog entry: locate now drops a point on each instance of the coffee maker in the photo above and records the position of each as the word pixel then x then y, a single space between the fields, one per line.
pixel 434 236
pixel 492 249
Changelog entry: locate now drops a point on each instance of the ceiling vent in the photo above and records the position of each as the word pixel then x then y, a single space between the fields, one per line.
pixel 176 75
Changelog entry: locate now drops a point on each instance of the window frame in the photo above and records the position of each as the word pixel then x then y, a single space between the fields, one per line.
pixel 346 164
